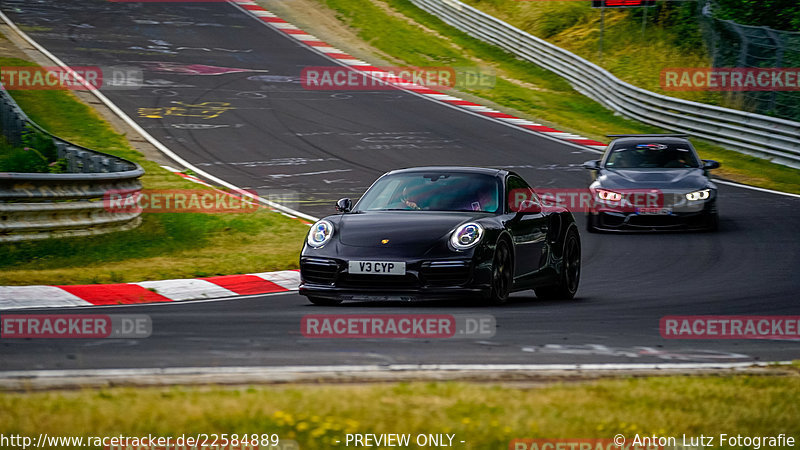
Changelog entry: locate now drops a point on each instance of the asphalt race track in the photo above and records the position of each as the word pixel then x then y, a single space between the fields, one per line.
pixel 260 129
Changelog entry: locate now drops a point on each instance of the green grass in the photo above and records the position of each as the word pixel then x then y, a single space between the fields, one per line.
pixel 485 416
pixel 165 246
pixel 413 37
pixel 21 159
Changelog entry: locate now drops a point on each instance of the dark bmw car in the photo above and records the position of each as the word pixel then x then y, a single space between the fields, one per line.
pixel 439 233
pixel 651 183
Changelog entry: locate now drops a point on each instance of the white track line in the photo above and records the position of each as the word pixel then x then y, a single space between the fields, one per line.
pixel 754 188
pixel 391 368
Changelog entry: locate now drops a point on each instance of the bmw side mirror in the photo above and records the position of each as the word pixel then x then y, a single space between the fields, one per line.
pixel 592 165
pixel 344 205
pixel 709 164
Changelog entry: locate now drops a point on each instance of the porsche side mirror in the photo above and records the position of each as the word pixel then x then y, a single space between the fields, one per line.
pixel 592 165
pixel 528 207
pixel 709 164
pixel 344 205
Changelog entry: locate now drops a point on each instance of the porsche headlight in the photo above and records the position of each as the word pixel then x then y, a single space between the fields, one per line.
pixel 466 236
pixel 610 196
pixel 698 195
pixel 320 233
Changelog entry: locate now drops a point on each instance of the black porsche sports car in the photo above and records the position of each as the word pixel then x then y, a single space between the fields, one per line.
pixel 438 233
pixel 650 183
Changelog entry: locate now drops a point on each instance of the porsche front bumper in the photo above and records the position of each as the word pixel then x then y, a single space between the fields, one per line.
pixel 424 280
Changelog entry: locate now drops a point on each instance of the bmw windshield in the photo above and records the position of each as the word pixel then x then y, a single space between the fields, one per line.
pixel 652 156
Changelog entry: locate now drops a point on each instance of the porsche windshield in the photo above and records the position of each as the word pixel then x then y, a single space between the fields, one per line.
pixel 652 156
pixel 433 191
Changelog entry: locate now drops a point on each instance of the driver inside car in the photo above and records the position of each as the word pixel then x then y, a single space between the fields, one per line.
pixel 409 200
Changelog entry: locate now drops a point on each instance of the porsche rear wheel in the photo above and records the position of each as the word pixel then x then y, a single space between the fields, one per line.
pixel 570 275
pixel 324 301
pixel 502 274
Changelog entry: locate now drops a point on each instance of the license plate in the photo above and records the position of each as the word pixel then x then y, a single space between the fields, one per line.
pixel 377 267
pixel 654 211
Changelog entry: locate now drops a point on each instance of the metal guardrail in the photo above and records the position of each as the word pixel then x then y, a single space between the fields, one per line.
pixel 43 205
pixel 767 137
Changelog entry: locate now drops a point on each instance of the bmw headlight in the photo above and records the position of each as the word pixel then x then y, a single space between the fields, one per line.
pixel 607 195
pixel 698 195
pixel 466 236
pixel 320 233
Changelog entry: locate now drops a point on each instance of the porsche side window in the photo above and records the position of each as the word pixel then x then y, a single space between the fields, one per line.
pixel 519 194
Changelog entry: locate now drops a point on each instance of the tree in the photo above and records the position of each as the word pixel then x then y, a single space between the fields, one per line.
pixel 777 14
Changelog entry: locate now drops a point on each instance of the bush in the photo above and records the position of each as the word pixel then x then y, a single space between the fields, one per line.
pixel 37 154
pixel 681 18
pixel 563 17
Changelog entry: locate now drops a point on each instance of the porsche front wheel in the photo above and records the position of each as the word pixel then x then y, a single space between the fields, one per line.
pixel 502 274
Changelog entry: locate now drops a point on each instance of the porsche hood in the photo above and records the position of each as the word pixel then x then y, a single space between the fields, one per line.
pixel 418 229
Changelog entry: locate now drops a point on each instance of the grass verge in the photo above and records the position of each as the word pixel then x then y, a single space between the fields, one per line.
pixel 400 31
pixel 484 416
pixel 165 246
